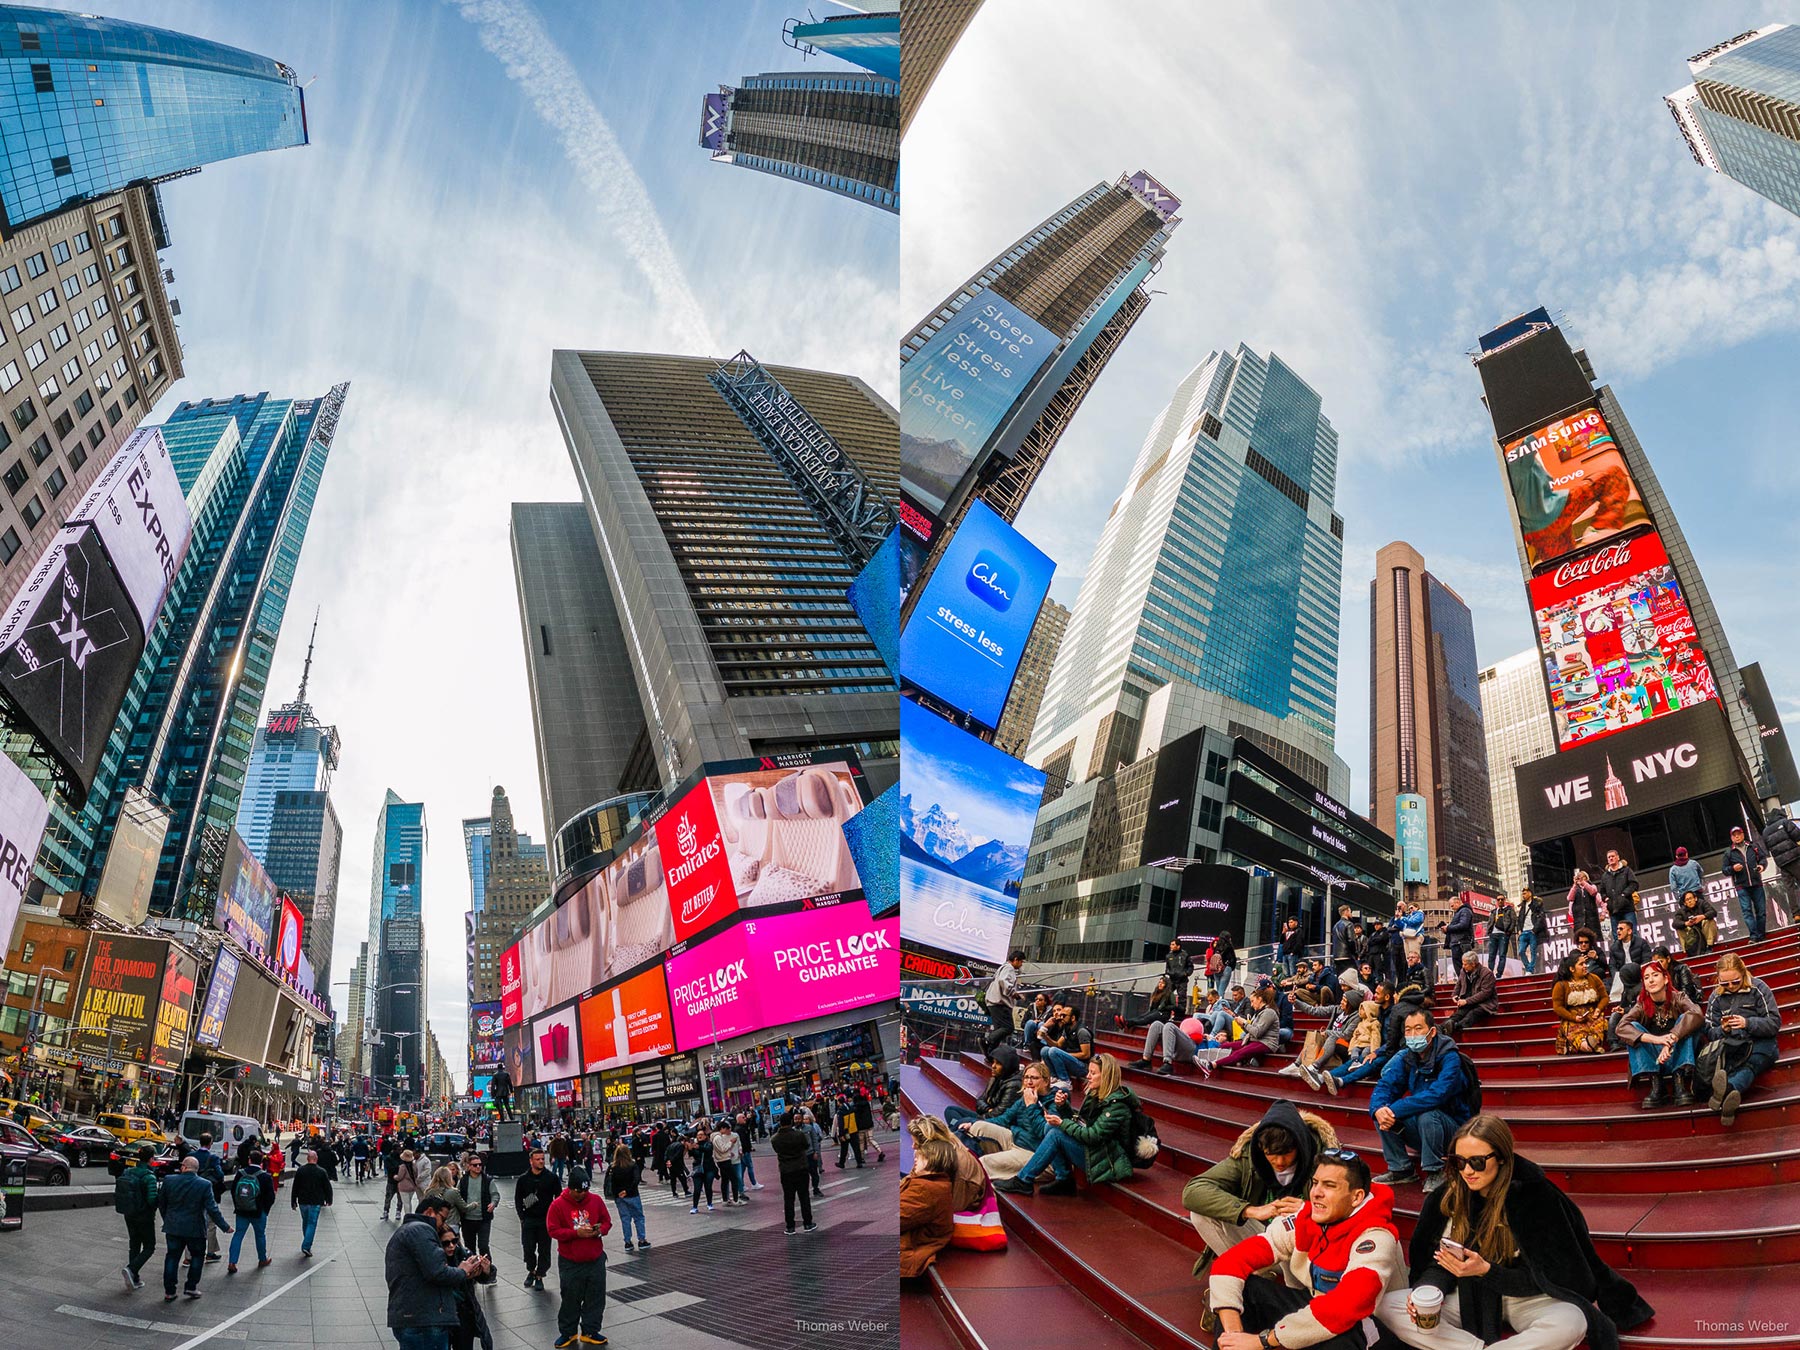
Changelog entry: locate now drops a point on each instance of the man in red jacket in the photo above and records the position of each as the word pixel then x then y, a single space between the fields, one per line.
pixel 578 1220
pixel 1338 1256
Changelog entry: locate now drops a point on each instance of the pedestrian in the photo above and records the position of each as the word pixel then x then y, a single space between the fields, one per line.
pixel 1002 999
pixel 187 1205
pixel 622 1181
pixel 134 1199
pixel 480 1197
pixel 390 1167
pixel 422 1285
pixel 704 1164
pixel 675 1155
pixel 1500 931
pixel 406 1182
pixel 578 1222
pixel 1291 945
pixel 1534 929
pixel 815 1149
pixel 252 1197
pixel 746 1129
pixel 1697 923
pixel 312 1192
pixel 471 1323
pixel 1477 998
pixel 1619 889
pixel 1584 905
pixel 1744 864
pixel 532 1194
pixel 791 1148
pixel 727 1149
pixel 1781 837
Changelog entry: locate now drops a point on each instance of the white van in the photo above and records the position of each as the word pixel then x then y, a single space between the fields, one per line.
pixel 227 1132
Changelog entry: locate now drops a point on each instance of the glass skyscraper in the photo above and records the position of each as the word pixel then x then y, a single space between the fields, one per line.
pixel 838 130
pixel 89 105
pixel 1219 569
pixel 397 972
pixel 476 835
pixel 1741 115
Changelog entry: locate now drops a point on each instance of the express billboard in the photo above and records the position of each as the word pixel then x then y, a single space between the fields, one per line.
pixel 965 829
pixel 218 998
pixel 957 389
pixel 137 505
pixel 1618 641
pixel 1570 487
pixel 1411 829
pixel 627 1023
pixel 246 904
pixel 970 625
pixel 485 1035
pixel 121 986
pixel 24 812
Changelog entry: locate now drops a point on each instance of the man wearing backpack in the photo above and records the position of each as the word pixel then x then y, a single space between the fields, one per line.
pixel 252 1197
pixel 134 1197
pixel 1421 1099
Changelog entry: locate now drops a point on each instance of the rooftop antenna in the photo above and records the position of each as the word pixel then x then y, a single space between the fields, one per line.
pixel 306 674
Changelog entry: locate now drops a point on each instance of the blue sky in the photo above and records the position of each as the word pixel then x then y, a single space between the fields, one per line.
pixel 1366 189
pixel 486 181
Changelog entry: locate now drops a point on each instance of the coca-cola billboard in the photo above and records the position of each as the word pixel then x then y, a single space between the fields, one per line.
pixel 1570 487
pixel 1618 640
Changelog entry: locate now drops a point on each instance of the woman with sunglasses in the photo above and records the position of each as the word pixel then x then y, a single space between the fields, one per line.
pixel 471 1323
pixel 1743 1020
pixel 1512 1257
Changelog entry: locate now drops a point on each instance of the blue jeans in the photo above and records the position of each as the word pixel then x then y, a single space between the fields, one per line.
pixel 1430 1132
pixel 1528 949
pixel 960 1115
pixel 1061 1154
pixel 257 1223
pixel 631 1210
pixel 1031 1026
pixel 1762 1056
pixel 309 1225
pixel 559 1166
pixel 1751 905
pixel 748 1169
pixel 195 1249
pixel 1290 962
pixel 1218 1022
pixel 1064 1065
pixel 1643 1058
pixel 422 1338
pixel 1355 1073
pixel 1496 952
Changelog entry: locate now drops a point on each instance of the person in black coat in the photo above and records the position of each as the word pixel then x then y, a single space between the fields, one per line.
pixel 1584 905
pixel 1531 1265
pixel 1781 837
pixel 1459 934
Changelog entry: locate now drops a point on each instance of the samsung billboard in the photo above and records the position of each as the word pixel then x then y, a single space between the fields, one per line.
pixel 963 642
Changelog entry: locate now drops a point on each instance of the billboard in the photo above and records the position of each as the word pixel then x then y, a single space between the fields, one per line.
pixel 715 120
pixel 966 817
pixel 1618 643
pixel 288 949
pixel 1214 899
pixel 69 645
pixel 246 904
pixel 485 1033
pixel 957 389
pixel 121 987
pixel 1169 827
pixel 627 1022
pixel 512 987
pixel 1778 755
pixel 1410 830
pixel 250 1016
pixel 556 1045
pixel 694 864
pixel 782 824
pixel 175 1012
pixel 1570 487
pixel 943 1005
pixel 142 516
pixel 515 1053
pixel 710 996
pixel 218 998
pixel 1649 767
pixel 969 627
pixel 24 812
pixel 132 859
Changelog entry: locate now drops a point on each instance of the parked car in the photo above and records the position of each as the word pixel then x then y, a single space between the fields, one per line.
pixel 446 1146
pixel 46 1131
pixel 41 1164
pixel 79 1142
pixel 132 1129
pixel 167 1159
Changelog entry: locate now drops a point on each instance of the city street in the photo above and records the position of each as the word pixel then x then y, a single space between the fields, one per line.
pixel 730 1278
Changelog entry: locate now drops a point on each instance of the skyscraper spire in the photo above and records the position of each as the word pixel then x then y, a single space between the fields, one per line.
pixel 306 674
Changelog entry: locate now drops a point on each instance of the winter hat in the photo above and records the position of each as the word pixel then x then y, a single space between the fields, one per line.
pixel 578 1179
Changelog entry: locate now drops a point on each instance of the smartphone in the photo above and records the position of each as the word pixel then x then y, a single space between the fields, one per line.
pixel 1454 1248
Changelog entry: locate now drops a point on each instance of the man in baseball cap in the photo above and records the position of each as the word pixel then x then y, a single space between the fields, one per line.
pixel 578 1219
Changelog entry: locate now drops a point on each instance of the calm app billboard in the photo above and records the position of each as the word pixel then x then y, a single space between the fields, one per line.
pixel 967 632
pixel 958 388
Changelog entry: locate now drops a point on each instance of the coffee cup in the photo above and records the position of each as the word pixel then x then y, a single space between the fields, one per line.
pixel 1428 1306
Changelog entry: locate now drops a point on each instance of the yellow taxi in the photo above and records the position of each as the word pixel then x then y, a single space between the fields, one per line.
pixel 130 1129
pixel 38 1116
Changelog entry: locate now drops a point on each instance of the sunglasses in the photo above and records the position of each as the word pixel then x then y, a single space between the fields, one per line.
pixel 1477 1165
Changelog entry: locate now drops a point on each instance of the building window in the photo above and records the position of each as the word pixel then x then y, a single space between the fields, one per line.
pixel 22 318
pixel 29 40
pixel 40 450
pixel 9 546
pixel 115 227
pixel 71 371
pixel 9 377
pixel 85 245
pixel 49 389
pixel 78 454
pixel 64 423
pixel 9 281
pixel 84 403
pixel 113 414
pixel 60 251
pixel 47 301
pixel 101 306
pixel 131 396
pixel 71 287
pixel 59 337
pixel 35 355
pixel 81 320
pixel 56 482
pixel 92 352
pixel 1216 765
pixel 42 81
pixel 90 275
pixel 59 166
pixel 68 958
pixel 35 266
pixel 15 477
pixel 33 511
pixel 24 415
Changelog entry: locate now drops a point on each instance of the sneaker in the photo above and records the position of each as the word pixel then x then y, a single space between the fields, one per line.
pixel 696 1209
pixel 1720 1085
pixel 709 1209
pixel 168 1298
pixel 568 1343
pixel 1434 1181
pixel 756 1185
pixel 1140 1064
pixel 629 1246
pixel 131 1281
pixel 586 1339
pixel 1331 1083
pixel 212 1257
pixel 1013 1186
pixel 1206 1068
pixel 643 1244
pixel 1401 1178
pixel 231 1270
pixel 812 1227
pixel 792 1231
pixel 306 1251
pixel 1728 1108
pixel 1311 1075
pixel 191 1293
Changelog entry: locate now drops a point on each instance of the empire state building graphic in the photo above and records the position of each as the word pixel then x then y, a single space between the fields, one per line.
pixel 1615 790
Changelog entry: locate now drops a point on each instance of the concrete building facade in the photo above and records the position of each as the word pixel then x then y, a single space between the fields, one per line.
pixel 1517 727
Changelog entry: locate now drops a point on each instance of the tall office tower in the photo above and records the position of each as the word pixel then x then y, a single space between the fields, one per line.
pixel 928 30
pixel 90 347
pixel 1516 722
pixel 592 742
pixel 733 505
pixel 396 974
pixel 1035 663
pixel 1219 569
pixel 1741 115
pixel 834 129
pixel 476 834
pixel 1425 733
pixel 1075 285
pixel 518 881
pixel 356 1003
pixel 291 752
pixel 305 851
pixel 868 37
pixel 89 106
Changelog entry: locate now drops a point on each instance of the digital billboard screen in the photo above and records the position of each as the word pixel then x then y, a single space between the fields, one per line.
pixel 1214 899
pixel 1570 487
pixel 24 812
pixel 121 987
pixel 512 987
pixel 710 990
pixel 175 1011
pixel 783 830
pixel 246 904
pixel 1617 640
pixel 218 998
pixel 969 627
pixel 515 1053
pixel 627 1023
pixel 957 389
pixel 556 1045
pixel 1411 831
pixel 69 645
pixel 485 1034
pixel 966 816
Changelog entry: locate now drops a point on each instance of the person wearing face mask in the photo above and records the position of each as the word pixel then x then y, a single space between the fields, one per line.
pixel 1264 1178
pixel 1420 1099
pixel 1511 1257
pixel 1742 1019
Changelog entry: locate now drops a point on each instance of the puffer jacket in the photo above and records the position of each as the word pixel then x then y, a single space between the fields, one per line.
pixel 1413 1084
pixel 1620 891
pixel 1103 1129
pixel 422 1285
pixel 1244 1178
pixel 1781 837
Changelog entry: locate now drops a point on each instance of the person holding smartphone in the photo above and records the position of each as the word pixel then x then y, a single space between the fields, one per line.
pixel 1511 1257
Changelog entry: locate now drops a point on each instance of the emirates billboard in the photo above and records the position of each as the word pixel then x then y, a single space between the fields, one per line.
pixel 1618 641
